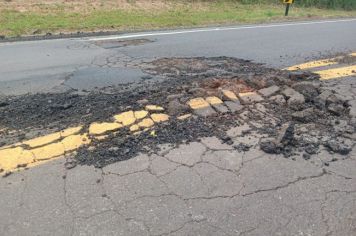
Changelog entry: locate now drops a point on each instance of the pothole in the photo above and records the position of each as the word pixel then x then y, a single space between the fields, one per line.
pixel 289 113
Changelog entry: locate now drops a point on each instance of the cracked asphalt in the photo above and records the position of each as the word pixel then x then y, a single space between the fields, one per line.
pixel 201 188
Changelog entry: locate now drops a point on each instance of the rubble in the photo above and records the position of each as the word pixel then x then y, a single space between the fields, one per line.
pixel 304 116
pixel 339 145
pixel 294 99
pixel 234 106
pixel 250 97
pixel 291 113
pixel 267 92
pixel 352 108
pixel 307 89
pixel 279 99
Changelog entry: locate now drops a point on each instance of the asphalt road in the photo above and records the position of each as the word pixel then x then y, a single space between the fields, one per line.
pixel 200 188
pixel 58 65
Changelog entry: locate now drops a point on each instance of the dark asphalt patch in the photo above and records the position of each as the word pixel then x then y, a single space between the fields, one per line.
pixel 116 43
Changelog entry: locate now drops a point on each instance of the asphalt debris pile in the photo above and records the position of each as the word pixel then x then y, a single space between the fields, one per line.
pixel 291 113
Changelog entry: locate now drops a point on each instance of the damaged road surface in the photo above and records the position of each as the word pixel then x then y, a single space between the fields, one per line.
pixel 211 145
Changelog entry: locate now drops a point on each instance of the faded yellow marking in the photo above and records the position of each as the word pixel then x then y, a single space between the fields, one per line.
pixel 198 103
pixel 40 141
pixel 134 128
pixel 247 94
pixel 146 123
pixel 154 108
pixel 126 118
pixel 14 158
pixel 137 133
pixel 101 137
pixel 159 117
pixel 313 64
pixel 318 63
pixel 101 128
pixel 140 114
pixel 70 131
pixel 73 142
pixel 10 146
pixel 337 72
pixel 230 95
pixel 48 152
pixel 183 117
pixel 214 100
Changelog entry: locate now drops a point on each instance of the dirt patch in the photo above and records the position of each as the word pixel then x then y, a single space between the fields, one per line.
pixel 290 112
pixel 53 6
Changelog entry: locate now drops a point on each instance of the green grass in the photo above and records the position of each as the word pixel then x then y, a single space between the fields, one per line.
pixel 328 4
pixel 14 23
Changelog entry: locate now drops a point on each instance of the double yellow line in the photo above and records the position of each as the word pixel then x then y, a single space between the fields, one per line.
pixel 331 73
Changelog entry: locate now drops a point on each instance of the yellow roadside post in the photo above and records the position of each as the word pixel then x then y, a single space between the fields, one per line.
pixel 287 2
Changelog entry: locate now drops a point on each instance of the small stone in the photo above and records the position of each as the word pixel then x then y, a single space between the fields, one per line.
pixel 305 115
pixel 140 114
pixel 250 97
pixel 307 89
pixel 113 149
pixel 4 104
pixel 339 145
pixel 267 92
pixel 199 92
pixel 206 111
pixel 286 134
pixel 70 164
pixel 302 75
pixel 183 117
pixel 352 108
pixel 306 156
pixel 279 99
pixel 336 109
pixel 268 145
pixel 295 99
pixel 289 92
pixel 234 106
pixel 217 104
pixel 154 108
pixel 143 101
pixel 322 98
pixel 221 108
pixel 174 96
pixel 159 117
pixel 175 107
pixel 201 107
pixel 229 95
pixel 146 123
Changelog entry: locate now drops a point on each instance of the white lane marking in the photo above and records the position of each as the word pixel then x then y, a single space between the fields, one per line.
pixel 160 33
pixel 133 35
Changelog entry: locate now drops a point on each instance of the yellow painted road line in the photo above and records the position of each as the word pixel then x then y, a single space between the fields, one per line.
pixel 40 150
pixel 337 72
pixel 55 145
pixel 318 63
pixel 313 64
